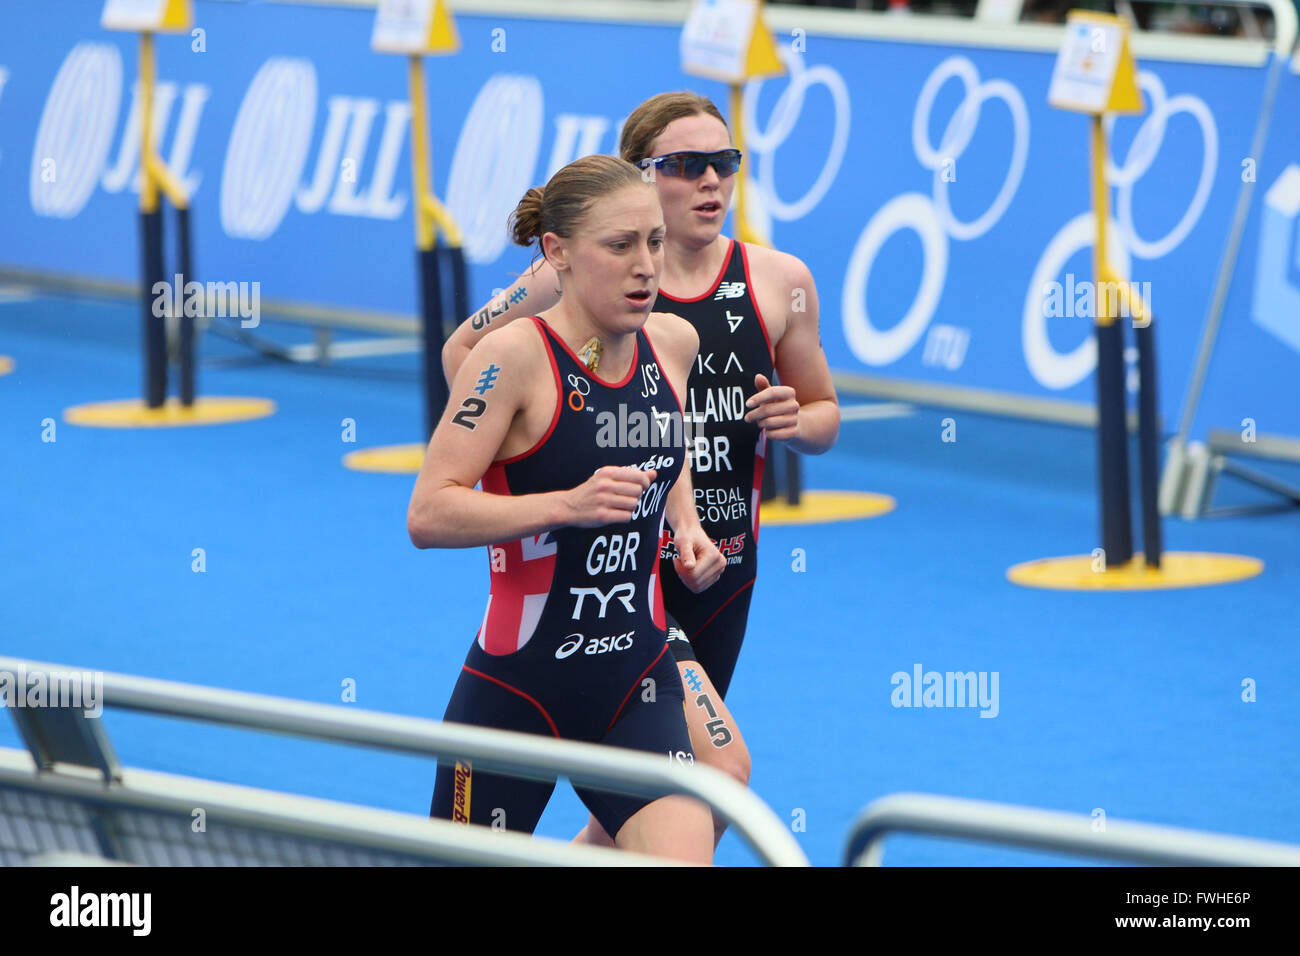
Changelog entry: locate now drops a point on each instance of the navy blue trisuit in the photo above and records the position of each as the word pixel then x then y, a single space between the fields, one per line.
pixel 727 455
pixel 572 643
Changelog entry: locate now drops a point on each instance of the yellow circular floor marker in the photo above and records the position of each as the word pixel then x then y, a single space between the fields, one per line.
pixel 6 365
pixel 1178 569
pixel 133 413
pixel 389 459
pixel 820 507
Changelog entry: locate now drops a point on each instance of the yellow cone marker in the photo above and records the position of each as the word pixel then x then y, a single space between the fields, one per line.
pixel 134 413
pixel 389 459
pixel 822 507
pixel 1178 569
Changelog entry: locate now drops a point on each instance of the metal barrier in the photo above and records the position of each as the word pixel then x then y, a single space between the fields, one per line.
pixel 1053 831
pixel 158 819
pixel 74 760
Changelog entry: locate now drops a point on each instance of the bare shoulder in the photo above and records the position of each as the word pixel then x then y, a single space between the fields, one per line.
pixel 516 343
pixel 516 339
pixel 787 269
pixel 673 334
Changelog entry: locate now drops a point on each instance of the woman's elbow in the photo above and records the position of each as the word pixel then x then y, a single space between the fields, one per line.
pixel 422 526
pixel 415 530
pixel 453 353
pixel 835 430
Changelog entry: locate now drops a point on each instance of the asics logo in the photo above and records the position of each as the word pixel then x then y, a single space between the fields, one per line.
pixel 597 645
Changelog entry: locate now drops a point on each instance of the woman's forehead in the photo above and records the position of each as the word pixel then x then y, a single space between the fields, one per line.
pixel 701 132
pixel 633 207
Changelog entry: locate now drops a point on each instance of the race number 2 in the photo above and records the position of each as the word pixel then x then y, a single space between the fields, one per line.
pixel 470 409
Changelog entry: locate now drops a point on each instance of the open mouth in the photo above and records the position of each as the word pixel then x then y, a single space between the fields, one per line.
pixel 711 206
pixel 640 297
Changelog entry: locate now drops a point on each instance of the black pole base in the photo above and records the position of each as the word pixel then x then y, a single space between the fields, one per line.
pixel 186 357
pixel 156 298
pixel 431 314
pixel 1149 445
pixel 1112 446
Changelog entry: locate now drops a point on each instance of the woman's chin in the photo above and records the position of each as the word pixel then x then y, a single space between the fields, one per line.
pixel 626 322
pixel 697 231
pixel 635 320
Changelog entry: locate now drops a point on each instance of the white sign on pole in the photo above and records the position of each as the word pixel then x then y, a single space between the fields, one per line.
pixel 715 40
pixel 133 14
pixel 402 26
pixel 1085 67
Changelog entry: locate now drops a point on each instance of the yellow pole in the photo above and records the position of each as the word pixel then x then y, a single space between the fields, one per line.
pixel 743 231
pixel 441 219
pixel 738 134
pixel 1101 213
pixel 424 233
pixel 148 187
pixel 1129 298
pixel 165 180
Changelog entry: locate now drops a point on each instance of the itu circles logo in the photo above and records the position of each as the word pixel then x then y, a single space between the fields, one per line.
pixel 957 136
pixel 1050 368
pixel 764 141
pixel 931 217
pixel 1142 153
pixel 1057 370
pixel 579 389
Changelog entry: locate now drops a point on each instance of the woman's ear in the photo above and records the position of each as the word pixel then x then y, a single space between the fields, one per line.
pixel 556 252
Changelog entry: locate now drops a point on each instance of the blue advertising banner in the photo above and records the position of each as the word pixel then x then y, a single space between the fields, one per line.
pixel 941 205
pixel 1254 380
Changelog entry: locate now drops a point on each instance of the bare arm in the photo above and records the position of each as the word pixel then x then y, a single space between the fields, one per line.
pixel 533 293
pixel 445 510
pixel 803 410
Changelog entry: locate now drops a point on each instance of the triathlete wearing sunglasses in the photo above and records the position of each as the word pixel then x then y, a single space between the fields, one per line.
pixel 692 165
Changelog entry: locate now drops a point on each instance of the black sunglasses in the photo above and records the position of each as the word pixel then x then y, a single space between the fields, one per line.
pixel 692 165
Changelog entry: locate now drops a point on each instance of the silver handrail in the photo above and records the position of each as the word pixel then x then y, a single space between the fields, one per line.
pixel 367 831
pixel 1052 830
pixel 610 768
pixel 1177 464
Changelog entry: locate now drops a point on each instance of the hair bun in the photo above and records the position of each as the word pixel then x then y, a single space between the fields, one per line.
pixel 526 220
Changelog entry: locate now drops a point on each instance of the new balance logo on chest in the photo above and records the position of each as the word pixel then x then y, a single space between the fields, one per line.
pixel 729 290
